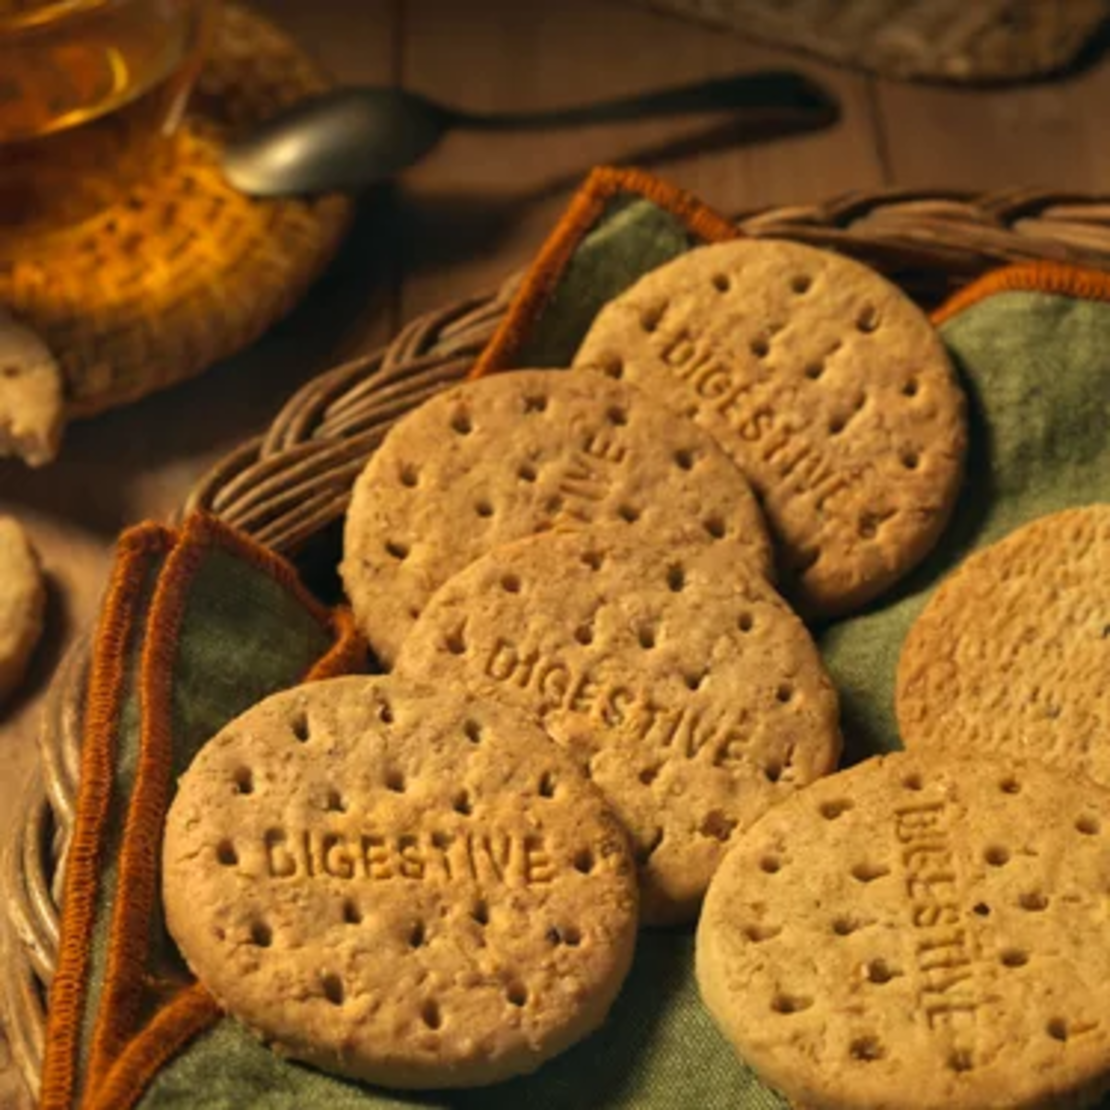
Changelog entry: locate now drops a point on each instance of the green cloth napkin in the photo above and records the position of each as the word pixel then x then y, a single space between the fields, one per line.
pixel 1038 376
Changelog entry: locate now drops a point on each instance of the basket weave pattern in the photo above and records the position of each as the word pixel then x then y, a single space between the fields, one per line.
pixel 287 486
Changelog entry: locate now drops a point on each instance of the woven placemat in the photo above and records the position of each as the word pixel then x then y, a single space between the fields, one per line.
pixel 948 40
pixel 184 271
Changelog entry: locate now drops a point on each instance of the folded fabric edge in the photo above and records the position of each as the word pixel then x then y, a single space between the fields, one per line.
pixel 104 699
pixel 585 209
pixel 128 953
pixel 1059 278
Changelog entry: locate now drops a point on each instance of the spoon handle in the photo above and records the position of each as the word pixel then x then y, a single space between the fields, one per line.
pixel 774 90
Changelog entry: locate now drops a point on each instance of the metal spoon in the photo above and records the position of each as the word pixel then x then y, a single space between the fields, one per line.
pixel 358 136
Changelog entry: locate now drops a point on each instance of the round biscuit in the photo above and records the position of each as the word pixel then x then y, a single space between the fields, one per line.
pixel 400 885
pixel 22 603
pixel 825 383
pixel 1011 653
pixel 922 933
pixel 673 672
pixel 494 460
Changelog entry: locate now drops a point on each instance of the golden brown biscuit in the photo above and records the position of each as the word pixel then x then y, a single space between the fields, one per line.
pixel 824 382
pixel 494 460
pixel 919 933
pixel 399 884
pixel 1012 652
pixel 671 670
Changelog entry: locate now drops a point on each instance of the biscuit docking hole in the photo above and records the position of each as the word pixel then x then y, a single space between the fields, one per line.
pixel 226 854
pixel 1057 1029
pixel 866 1049
pixel 527 472
pixel 243 780
pixel 845 926
pixel 836 425
pixel 395 781
pixel 649 774
pixel 869 872
pixel 483 508
pixel 867 320
pixel 584 861
pixel 593 559
pixel 760 347
pixel 879 971
pixel 430 1014
pixel 770 865
pixel 262 936
pixel 333 989
pixel 480 912
pixel 981 909
pixel 462 803
pixel 568 935
pixel 676 577
pixel 547 785
pixel 758 933
pixel 417 935
pixel 790 1003
pixel 455 642
pixel 300 727
pixel 745 622
pixel 517 994
pixel 398 551
pixel 646 636
pixel 385 713
pixel 684 459
pixel 717 824
pixel 1010 786
pixel 910 459
pixel 715 526
pixel 410 476
pixel 1088 826
pixel 613 366
pixel 801 283
pixel 960 1059
pixel 814 370
pixel 1034 901
pixel 510 583
pixel 832 810
pixel 1014 957
pixel 997 856
pixel 617 416
pixel 584 634
pixel 629 513
pixel 722 283
pixel 910 388
pixel 784 693
pixel 473 731
pixel 352 915
pixel 651 317
pixel 460 423
pixel 335 802
pixel 535 403
pixel 772 770
pixel 694 680
pixel 913 782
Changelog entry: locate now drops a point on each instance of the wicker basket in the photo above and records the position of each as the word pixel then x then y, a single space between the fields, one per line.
pixel 289 488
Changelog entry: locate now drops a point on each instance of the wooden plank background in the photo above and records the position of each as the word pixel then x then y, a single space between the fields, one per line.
pixel 476 210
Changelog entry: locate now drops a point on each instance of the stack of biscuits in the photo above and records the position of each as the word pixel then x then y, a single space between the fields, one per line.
pixel 594 591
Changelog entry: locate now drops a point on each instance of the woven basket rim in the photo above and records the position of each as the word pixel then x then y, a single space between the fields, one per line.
pixel 287 485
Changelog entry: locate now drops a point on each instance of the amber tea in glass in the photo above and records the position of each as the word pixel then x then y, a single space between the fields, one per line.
pixel 90 93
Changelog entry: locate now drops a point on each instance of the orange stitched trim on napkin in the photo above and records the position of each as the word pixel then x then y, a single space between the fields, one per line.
pixel 192 1012
pixel 129 945
pixel 104 701
pixel 585 210
pixel 1030 277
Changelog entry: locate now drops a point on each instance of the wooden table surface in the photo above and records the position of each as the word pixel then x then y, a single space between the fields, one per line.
pixel 478 207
